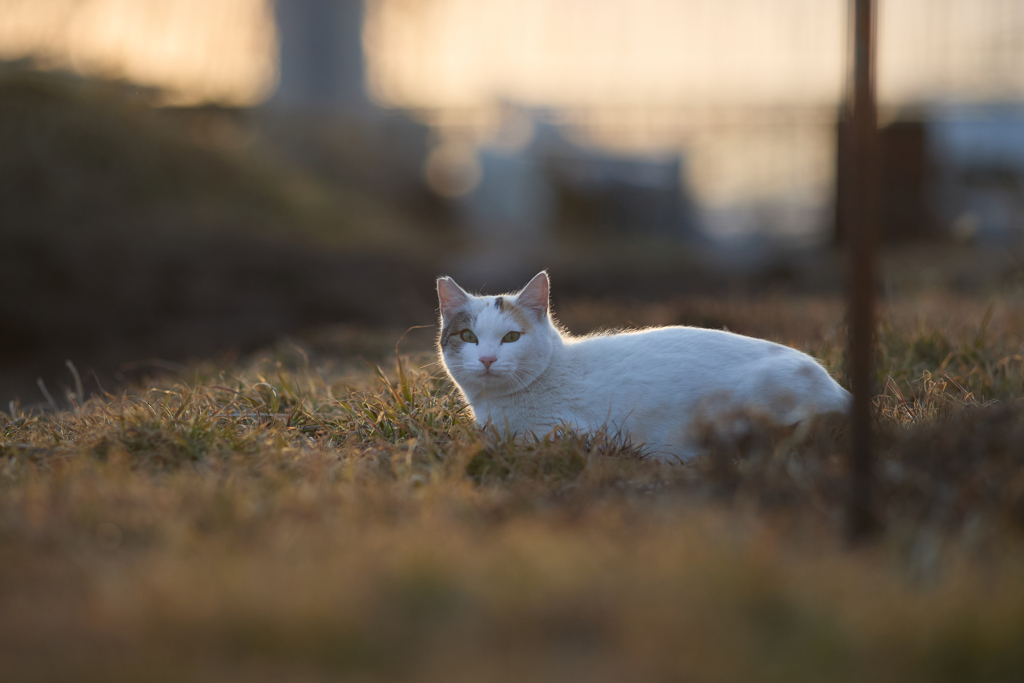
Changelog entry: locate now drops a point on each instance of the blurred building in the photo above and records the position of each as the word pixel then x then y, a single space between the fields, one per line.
pixel 320 114
pixel 320 48
pixel 978 158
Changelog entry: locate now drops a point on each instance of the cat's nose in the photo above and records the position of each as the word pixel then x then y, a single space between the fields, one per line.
pixel 487 360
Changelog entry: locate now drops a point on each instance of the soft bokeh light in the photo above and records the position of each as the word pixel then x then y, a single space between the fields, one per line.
pixel 452 170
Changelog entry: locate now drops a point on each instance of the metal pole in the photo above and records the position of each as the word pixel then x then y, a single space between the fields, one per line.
pixel 862 222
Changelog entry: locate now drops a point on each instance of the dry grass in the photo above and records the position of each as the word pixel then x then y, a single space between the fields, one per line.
pixel 296 518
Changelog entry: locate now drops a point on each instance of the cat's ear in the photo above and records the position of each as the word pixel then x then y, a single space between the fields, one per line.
pixel 451 296
pixel 534 296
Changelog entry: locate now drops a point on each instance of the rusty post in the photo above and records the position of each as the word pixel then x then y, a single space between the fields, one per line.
pixel 862 225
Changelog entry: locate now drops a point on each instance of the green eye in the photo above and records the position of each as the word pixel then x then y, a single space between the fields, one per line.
pixel 468 336
pixel 510 337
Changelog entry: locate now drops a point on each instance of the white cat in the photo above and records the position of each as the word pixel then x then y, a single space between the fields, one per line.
pixel 519 372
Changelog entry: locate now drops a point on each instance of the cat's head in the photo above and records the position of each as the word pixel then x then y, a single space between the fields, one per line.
pixel 496 344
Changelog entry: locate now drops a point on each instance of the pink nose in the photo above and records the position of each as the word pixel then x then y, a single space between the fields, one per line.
pixel 487 360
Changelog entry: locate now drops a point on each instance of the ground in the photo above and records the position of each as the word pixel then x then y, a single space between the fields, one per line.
pixel 325 509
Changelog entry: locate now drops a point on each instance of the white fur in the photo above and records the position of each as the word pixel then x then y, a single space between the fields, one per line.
pixel 652 386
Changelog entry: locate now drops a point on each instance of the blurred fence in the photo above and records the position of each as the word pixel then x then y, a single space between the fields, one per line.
pixel 746 90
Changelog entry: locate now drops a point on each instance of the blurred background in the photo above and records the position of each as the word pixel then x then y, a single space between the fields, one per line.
pixel 183 179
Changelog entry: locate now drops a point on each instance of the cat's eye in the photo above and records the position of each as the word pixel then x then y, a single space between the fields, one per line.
pixel 510 337
pixel 468 336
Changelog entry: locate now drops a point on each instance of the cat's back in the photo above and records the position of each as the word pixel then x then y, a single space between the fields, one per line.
pixel 658 346
pixel 666 362
pixel 657 374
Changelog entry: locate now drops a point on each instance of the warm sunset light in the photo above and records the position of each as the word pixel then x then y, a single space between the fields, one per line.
pixel 581 52
pixel 578 53
pixel 443 54
pixel 195 51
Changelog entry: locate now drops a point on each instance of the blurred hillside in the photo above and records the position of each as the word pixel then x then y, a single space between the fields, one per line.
pixel 131 232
